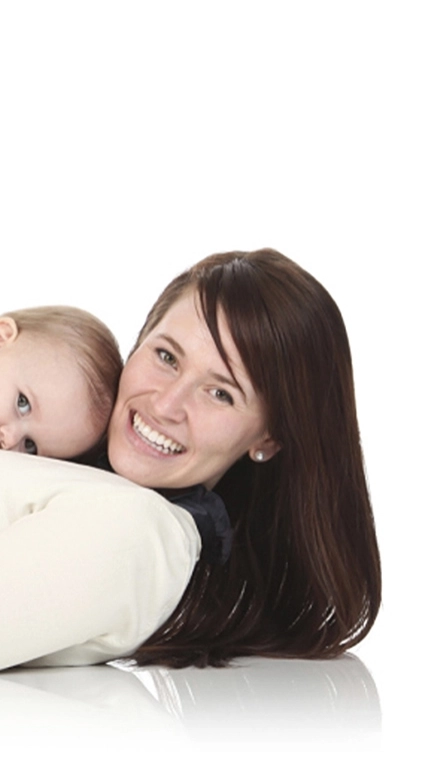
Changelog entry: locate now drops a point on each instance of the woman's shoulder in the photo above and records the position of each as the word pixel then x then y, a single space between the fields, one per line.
pixel 91 496
pixel 101 558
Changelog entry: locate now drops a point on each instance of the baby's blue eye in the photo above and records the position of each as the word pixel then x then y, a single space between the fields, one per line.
pixel 30 447
pixel 23 404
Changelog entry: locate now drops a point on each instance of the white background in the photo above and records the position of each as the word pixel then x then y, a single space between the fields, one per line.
pixel 138 137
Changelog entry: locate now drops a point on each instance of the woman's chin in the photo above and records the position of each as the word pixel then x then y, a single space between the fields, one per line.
pixel 146 467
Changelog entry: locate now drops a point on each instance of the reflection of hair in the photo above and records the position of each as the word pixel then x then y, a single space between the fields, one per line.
pixel 313 698
pixel 304 576
pixel 90 340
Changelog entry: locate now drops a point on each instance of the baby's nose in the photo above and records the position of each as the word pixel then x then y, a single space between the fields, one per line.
pixel 10 436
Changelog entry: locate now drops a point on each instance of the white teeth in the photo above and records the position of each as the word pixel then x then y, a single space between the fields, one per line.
pixel 153 438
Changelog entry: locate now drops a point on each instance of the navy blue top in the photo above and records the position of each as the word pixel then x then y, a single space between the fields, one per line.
pixel 211 518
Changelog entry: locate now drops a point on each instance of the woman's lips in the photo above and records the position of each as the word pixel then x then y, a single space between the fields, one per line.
pixel 159 441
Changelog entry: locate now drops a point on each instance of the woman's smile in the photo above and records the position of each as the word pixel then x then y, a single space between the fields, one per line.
pixel 181 416
pixel 153 438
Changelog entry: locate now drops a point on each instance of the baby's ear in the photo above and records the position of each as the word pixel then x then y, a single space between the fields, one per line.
pixel 8 330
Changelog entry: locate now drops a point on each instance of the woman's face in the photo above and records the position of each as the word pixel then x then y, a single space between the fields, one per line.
pixel 180 418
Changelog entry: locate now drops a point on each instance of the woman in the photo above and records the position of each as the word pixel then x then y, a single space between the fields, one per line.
pixel 241 381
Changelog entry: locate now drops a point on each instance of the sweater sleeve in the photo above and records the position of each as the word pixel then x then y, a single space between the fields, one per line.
pixel 90 564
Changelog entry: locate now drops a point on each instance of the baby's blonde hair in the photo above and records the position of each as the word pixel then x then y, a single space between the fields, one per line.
pixel 96 349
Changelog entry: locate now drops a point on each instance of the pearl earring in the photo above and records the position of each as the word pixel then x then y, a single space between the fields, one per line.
pixel 259 456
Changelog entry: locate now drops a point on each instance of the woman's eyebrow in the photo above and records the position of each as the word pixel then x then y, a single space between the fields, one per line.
pixel 178 348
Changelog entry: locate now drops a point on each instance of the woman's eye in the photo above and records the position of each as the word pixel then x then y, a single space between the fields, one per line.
pixel 23 404
pixel 166 357
pixel 30 447
pixel 222 395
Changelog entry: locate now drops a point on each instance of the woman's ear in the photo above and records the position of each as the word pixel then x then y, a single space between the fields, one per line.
pixel 265 450
pixel 8 330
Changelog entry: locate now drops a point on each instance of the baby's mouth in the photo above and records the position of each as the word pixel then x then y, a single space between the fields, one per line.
pixel 156 440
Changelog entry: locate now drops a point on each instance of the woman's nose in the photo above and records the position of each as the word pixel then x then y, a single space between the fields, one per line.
pixel 169 401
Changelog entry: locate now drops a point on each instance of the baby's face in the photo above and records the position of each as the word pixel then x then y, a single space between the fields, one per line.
pixel 44 400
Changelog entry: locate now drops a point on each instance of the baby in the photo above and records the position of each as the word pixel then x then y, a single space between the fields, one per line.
pixel 59 372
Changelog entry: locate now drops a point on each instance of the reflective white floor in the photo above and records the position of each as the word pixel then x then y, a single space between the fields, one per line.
pixel 256 707
pixel 340 713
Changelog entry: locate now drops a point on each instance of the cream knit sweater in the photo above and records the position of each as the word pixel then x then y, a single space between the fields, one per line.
pixel 90 564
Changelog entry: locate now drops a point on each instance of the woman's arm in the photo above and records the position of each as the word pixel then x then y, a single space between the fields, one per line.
pixel 90 564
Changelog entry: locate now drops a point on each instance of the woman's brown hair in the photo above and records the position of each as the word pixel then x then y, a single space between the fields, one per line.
pixel 303 579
